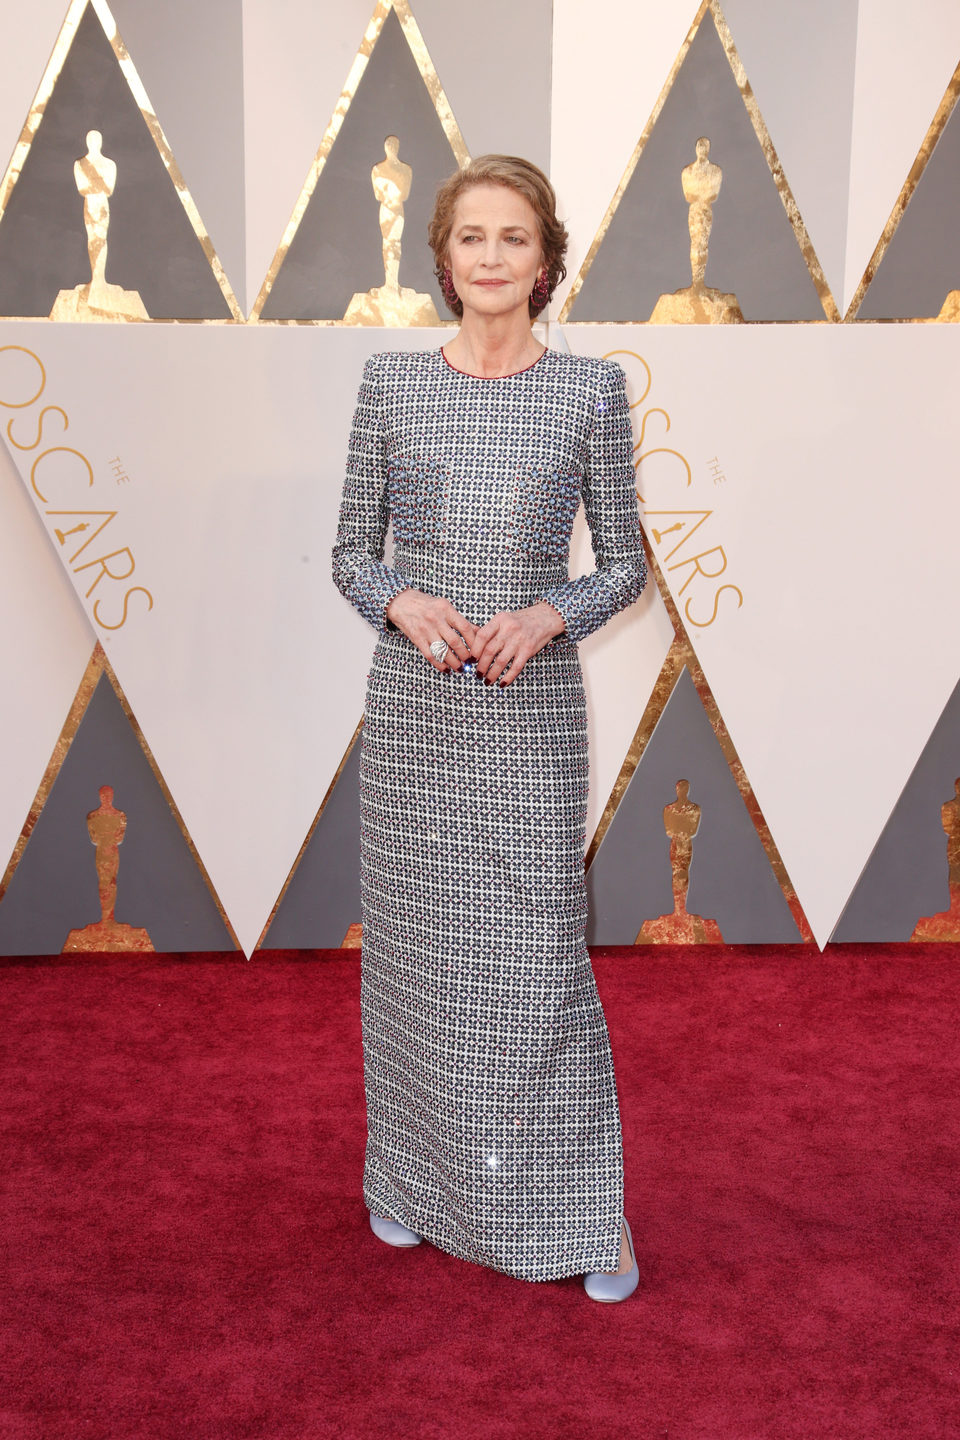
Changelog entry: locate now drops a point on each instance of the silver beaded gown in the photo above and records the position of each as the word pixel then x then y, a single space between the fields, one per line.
pixel 492 1114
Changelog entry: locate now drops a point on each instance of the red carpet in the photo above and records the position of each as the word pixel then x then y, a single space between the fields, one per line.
pixel 186 1256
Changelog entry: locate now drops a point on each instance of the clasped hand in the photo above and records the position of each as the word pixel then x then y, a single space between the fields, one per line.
pixel 500 648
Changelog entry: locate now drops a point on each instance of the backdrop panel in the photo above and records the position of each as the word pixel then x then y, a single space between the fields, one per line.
pixel 801 63
pixel 643 248
pixel 158 888
pixel 630 882
pixel 911 874
pixel 904 64
pixel 47 640
pixel 68 204
pixel 216 484
pixel 179 482
pixel 822 613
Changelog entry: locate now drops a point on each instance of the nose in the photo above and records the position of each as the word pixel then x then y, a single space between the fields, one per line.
pixel 491 250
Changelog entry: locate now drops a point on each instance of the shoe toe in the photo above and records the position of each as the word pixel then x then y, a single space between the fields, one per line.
pixel 611 1288
pixel 391 1232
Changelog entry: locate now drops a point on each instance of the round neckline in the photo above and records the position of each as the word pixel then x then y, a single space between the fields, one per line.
pixel 508 376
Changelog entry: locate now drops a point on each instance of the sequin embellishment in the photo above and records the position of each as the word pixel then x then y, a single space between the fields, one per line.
pixel 492 1118
pixel 545 503
pixel 418 494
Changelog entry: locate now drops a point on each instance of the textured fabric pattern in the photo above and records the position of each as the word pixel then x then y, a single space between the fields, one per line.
pixel 493 1124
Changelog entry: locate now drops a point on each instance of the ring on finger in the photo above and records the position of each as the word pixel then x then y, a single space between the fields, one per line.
pixel 438 649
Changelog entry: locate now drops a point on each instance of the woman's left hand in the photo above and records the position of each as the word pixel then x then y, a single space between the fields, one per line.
pixel 512 638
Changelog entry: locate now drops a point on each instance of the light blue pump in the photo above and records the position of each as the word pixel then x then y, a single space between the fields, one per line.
pixel 611 1288
pixel 391 1232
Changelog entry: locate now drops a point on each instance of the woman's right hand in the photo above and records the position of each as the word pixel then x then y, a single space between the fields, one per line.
pixel 425 618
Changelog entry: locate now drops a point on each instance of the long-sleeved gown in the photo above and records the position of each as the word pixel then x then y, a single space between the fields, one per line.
pixel 493 1122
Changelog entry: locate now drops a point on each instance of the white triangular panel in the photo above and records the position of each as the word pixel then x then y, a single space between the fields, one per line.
pixel 609 69
pixel 222 451
pixel 621 663
pixel 29 34
pixel 189 59
pixel 837 515
pixel 801 61
pixel 47 641
pixel 905 58
pixel 296 61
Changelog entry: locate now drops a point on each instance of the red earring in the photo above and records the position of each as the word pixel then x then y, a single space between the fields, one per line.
pixel 540 293
pixel 449 293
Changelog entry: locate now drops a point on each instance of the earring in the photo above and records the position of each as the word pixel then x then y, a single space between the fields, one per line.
pixel 540 293
pixel 449 293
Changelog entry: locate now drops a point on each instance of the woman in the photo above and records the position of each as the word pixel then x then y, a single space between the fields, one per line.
pixel 493 1124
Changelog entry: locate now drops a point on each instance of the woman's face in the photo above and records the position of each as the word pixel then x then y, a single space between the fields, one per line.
pixel 494 249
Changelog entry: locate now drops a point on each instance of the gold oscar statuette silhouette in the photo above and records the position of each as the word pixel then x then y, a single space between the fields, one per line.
pixel 95 176
pixel 698 304
pixel 106 827
pixel 946 925
pixel 950 310
pixel 681 821
pixel 390 303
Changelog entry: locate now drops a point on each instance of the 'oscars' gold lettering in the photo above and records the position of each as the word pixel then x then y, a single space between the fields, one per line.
pixel 25 404
pixel 702 624
pixel 658 533
pixel 59 474
pixel 655 410
pixel 56 409
pixel 663 450
pixel 134 590
pixel 74 530
pixel 699 569
pixel 611 354
pixel 83 514
pixel 58 450
pixel 101 560
pixel 687 530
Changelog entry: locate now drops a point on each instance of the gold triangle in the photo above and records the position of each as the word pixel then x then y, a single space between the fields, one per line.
pixel 97 666
pixel 309 836
pixel 682 656
pixel 670 672
pixel 37 110
pixel 445 115
pixel 937 126
pixel 813 265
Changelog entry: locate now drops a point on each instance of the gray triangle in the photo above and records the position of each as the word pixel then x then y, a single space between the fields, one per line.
pixel 152 246
pixel 906 875
pixel 323 897
pixel 337 249
pixel 731 880
pixel 922 262
pixel 159 887
pixel 753 250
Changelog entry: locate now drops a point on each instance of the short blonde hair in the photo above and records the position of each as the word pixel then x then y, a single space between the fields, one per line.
pixel 514 174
